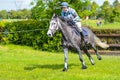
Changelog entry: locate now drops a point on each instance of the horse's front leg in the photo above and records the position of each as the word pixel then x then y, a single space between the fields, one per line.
pixel 65 49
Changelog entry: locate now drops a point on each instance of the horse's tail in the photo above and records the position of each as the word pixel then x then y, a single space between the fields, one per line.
pixel 99 43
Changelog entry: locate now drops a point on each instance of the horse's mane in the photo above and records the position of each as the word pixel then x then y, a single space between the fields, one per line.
pixel 66 21
pixel 63 19
pixel 72 26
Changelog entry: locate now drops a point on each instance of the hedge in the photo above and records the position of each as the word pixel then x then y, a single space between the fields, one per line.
pixel 106 31
pixel 22 33
pixel 2 29
pixel 33 33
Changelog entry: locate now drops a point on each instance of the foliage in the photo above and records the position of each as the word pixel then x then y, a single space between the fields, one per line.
pixel 111 13
pixel 45 9
pixel 106 11
pixel 3 36
pixel 116 10
pixel 20 14
pixel 32 33
pixel 24 63
pixel 3 14
pixel 94 10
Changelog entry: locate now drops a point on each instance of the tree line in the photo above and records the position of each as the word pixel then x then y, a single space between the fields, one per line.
pixel 108 12
pixel 43 9
pixel 13 14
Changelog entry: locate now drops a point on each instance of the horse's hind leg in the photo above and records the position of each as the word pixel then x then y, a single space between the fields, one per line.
pixel 65 58
pixel 96 51
pixel 89 56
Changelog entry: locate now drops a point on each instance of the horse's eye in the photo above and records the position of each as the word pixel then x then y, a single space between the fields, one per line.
pixel 53 23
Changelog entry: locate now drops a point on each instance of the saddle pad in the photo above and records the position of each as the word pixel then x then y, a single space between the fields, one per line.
pixel 85 33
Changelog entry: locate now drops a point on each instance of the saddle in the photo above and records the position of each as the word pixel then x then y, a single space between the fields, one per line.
pixel 85 33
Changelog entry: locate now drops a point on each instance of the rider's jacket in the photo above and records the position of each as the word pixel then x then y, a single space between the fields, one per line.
pixel 71 14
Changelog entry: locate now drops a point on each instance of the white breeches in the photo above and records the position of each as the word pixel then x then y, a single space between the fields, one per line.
pixel 78 24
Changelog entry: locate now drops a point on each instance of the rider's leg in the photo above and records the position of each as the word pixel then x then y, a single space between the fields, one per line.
pixel 78 24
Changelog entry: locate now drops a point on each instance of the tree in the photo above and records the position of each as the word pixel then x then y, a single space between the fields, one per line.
pixel 13 14
pixel 86 8
pixel 3 14
pixel 38 10
pixel 116 10
pixel 94 10
pixel 25 14
pixel 116 3
pixel 107 12
pixel 20 14
pixel 45 9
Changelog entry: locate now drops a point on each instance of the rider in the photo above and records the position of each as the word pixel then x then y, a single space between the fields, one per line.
pixel 70 14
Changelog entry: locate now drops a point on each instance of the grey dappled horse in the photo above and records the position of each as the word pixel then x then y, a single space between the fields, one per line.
pixel 70 38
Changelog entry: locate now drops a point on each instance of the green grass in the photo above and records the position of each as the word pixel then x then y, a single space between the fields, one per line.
pixel 92 23
pixel 24 63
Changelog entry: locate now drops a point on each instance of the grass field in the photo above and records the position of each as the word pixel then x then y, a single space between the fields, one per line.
pixel 24 63
pixel 92 23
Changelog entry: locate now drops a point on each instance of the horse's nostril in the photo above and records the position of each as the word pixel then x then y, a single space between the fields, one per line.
pixel 49 35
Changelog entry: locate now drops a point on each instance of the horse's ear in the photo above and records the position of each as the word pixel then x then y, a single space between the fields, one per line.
pixel 54 16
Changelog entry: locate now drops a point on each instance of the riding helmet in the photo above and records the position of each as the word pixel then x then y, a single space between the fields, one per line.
pixel 64 4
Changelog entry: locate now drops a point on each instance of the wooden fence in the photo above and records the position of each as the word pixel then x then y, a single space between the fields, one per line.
pixel 114 37
pixel 114 46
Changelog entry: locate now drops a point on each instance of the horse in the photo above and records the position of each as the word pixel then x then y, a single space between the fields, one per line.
pixel 72 38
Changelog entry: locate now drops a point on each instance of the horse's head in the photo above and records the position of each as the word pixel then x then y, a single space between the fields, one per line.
pixel 54 26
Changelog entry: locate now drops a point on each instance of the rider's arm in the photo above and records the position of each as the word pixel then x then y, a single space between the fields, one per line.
pixel 76 16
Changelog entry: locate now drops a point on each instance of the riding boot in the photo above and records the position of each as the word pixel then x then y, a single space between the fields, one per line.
pixel 82 37
pixel 78 25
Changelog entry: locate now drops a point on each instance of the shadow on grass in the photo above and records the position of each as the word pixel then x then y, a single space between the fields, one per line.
pixel 47 66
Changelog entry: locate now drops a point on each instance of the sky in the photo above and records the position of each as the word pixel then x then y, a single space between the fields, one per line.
pixel 20 4
pixel 14 4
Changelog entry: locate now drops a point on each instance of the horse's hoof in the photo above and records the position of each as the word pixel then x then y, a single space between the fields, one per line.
pixel 84 67
pixel 64 69
pixel 99 58
pixel 93 63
